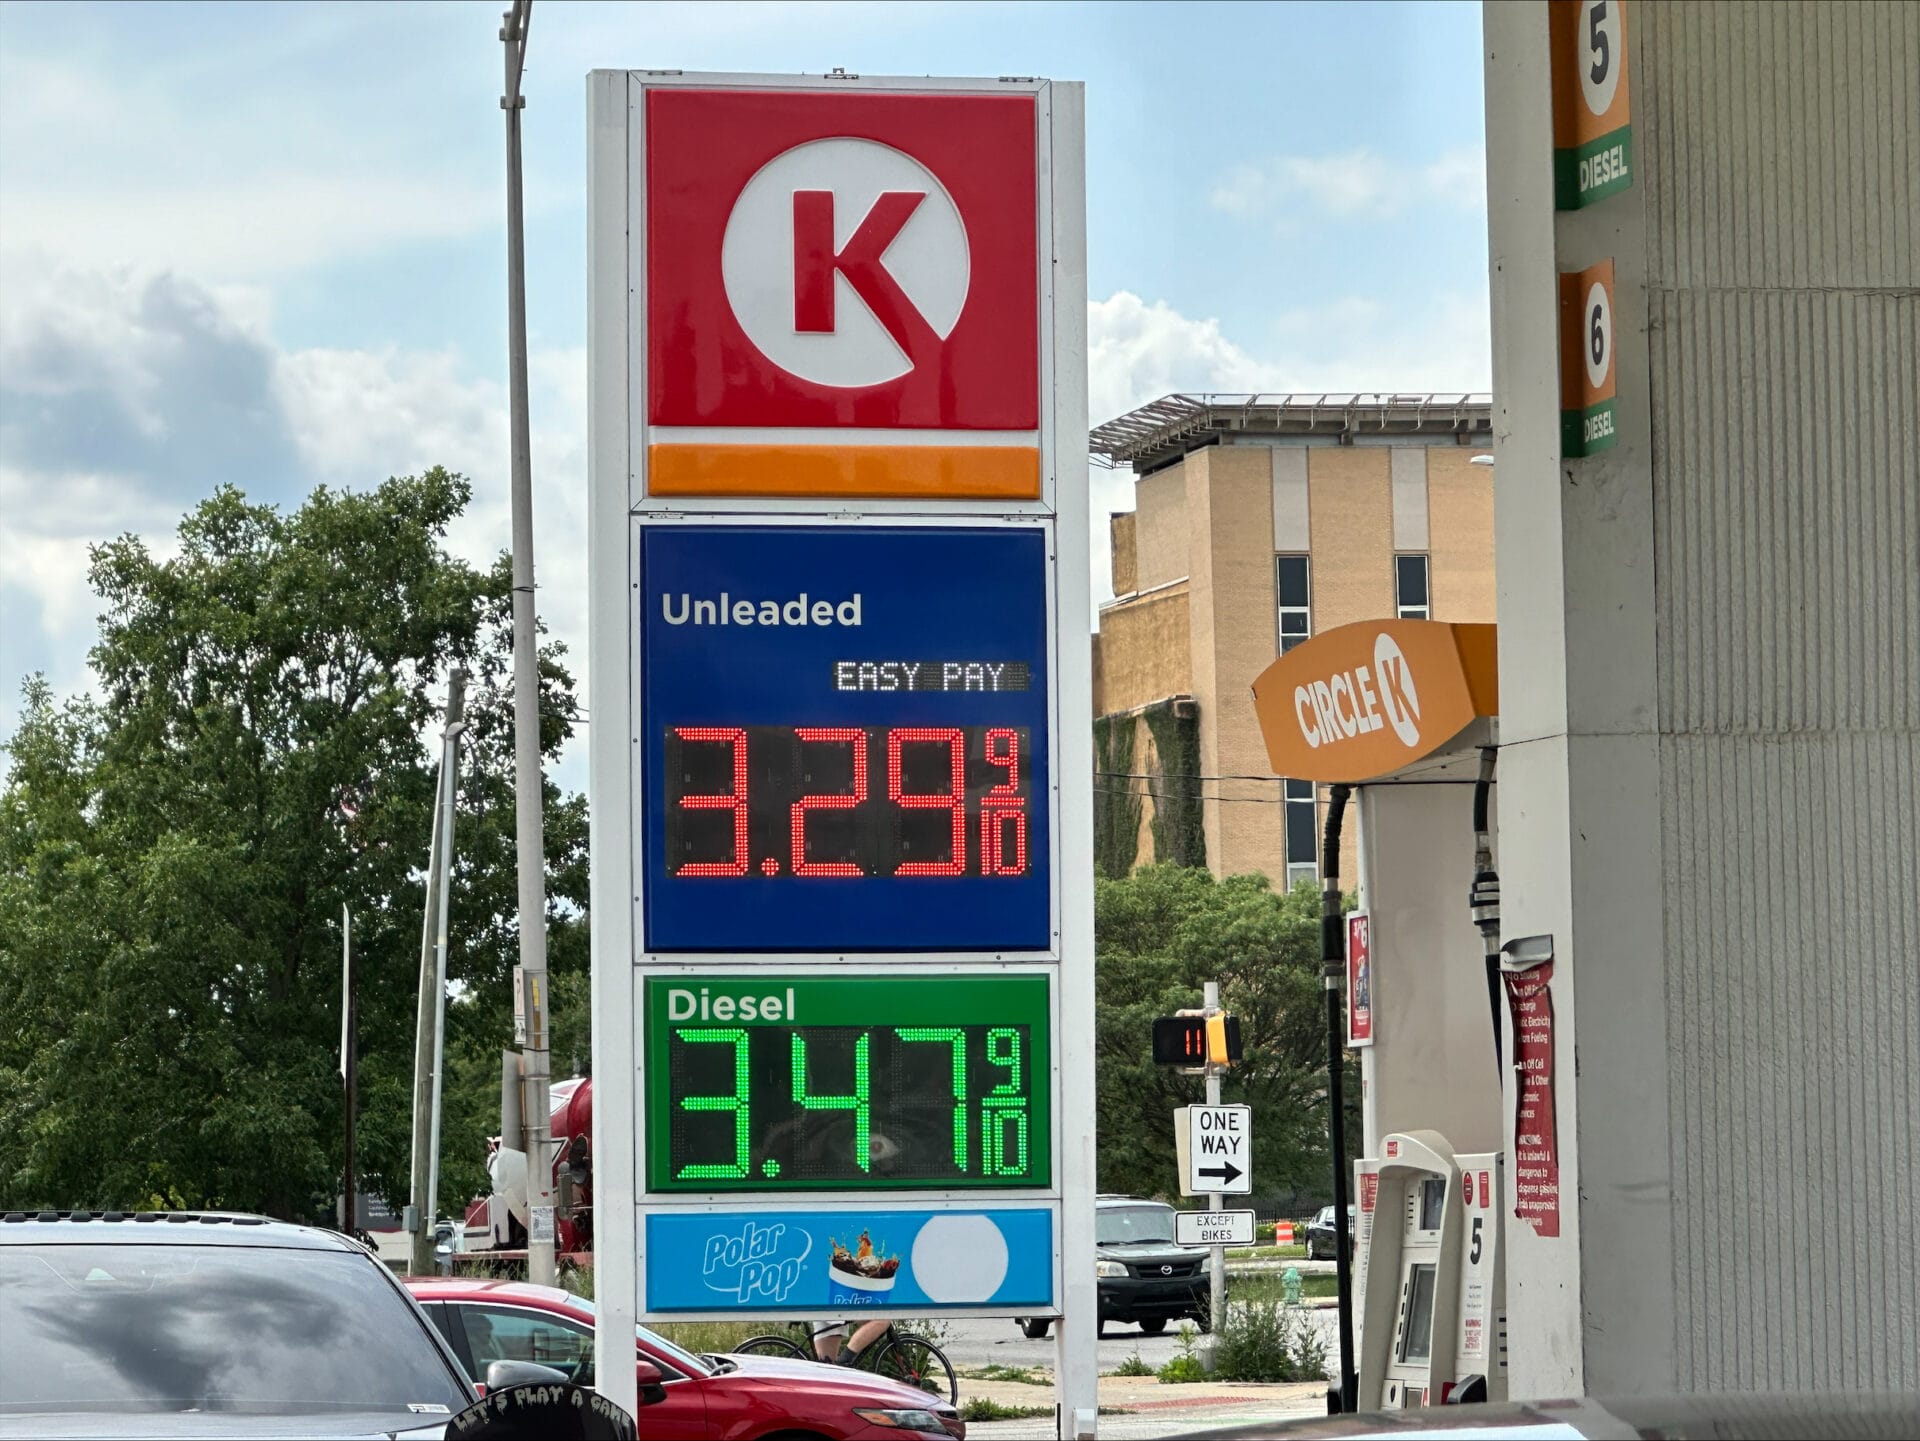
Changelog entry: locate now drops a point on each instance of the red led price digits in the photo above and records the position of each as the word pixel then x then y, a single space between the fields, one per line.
pixel 736 802
pixel 954 799
pixel 858 740
pixel 1003 811
pixel 769 784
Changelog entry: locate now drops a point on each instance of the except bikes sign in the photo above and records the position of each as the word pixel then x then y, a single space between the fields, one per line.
pixel 1363 700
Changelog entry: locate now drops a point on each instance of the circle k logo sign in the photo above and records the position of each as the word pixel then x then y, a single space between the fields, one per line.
pixel 839 255
pixel 823 258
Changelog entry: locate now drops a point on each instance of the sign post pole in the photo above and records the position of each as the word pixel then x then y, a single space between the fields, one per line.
pixel 1217 1274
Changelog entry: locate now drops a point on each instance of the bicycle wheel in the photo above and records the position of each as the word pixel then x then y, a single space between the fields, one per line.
pixel 771 1346
pixel 915 1361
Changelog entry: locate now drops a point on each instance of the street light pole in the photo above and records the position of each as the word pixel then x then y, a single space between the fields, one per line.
pixel 529 818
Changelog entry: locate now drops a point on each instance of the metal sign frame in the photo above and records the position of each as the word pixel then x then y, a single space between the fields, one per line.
pixel 618 506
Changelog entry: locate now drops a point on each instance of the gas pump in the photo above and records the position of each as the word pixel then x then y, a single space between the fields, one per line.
pixel 1429 1276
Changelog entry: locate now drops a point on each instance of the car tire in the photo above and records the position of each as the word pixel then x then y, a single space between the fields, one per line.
pixel 1153 1325
pixel 1036 1327
pixel 1204 1321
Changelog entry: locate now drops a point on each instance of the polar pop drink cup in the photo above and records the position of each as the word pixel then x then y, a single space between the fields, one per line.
pixel 861 1277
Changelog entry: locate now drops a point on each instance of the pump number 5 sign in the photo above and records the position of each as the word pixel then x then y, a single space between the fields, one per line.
pixel 1587 371
pixel 1592 136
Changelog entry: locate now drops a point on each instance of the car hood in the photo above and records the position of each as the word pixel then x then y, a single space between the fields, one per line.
pixel 1137 1251
pixel 217 1426
pixel 829 1383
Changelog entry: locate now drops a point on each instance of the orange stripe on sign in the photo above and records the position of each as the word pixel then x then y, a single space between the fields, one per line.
pixel 918 472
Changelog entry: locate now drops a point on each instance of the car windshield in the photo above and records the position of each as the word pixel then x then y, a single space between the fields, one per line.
pixel 682 1358
pixel 259 1330
pixel 1122 1225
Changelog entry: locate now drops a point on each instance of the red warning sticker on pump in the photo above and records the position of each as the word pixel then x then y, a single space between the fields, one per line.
pixel 1369 1189
pixel 1486 1189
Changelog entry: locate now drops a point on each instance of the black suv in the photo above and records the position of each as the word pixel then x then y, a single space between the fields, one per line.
pixel 1144 1275
pixel 179 1323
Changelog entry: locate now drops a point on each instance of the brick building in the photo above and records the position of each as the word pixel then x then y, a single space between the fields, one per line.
pixel 1258 521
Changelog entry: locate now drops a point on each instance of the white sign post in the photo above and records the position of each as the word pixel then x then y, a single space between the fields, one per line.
pixel 1213 1228
pixel 1218 1156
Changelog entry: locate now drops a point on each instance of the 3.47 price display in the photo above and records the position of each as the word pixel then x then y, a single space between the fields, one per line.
pixel 849 1082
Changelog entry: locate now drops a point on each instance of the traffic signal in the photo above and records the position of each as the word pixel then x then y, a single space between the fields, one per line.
pixel 1196 1040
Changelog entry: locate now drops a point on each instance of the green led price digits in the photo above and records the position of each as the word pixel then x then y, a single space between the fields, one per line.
pixel 815 1102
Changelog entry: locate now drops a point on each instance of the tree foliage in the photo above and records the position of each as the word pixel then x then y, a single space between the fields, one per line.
pixel 1163 932
pixel 177 852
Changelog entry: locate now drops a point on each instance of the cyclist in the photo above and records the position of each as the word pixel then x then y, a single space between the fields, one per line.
pixel 831 1344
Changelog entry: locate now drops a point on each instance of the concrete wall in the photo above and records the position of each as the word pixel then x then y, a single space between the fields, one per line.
pixel 1160 540
pixel 1460 560
pixel 1121 546
pixel 1146 652
pixel 1350 490
pixel 1782 256
pixel 1710 765
pixel 1230 514
pixel 1431 1065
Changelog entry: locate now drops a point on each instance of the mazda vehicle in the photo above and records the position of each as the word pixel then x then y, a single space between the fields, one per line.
pixel 150 1324
pixel 1145 1277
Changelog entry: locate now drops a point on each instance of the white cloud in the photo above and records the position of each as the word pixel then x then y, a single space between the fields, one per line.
pixel 125 398
pixel 1356 184
pixel 1137 352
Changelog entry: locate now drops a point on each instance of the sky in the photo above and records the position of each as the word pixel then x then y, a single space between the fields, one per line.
pixel 265 244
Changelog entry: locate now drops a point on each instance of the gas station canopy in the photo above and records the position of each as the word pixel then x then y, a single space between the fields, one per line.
pixel 1363 701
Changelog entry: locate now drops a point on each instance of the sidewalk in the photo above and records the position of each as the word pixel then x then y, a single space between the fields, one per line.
pixel 1151 1409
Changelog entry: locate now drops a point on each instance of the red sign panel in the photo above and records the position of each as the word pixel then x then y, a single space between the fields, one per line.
pixel 1359 981
pixel 823 259
pixel 1536 1140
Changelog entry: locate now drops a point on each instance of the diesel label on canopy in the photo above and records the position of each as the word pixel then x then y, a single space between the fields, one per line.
pixel 1363 700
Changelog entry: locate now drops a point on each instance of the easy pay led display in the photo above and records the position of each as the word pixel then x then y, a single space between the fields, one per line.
pixel 844 741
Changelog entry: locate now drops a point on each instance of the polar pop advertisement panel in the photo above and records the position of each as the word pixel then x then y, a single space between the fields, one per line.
pixel 844 739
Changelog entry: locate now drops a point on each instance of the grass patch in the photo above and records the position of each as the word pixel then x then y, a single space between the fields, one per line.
pixel 985 1408
pixel 1024 1375
pixel 1269 1286
pixel 1132 1366
pixel 1295 1252
pixel 1185 1367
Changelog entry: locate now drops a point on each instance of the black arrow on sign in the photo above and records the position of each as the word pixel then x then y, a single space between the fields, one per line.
pixel 1227 1173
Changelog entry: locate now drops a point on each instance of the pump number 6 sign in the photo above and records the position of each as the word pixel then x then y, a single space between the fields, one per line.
pixel 1587 373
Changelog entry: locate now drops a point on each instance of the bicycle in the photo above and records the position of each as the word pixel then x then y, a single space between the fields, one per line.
pixel 898 1355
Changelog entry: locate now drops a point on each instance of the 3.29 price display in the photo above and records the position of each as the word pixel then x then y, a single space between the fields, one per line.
pixel 848 1082
pixel 825 801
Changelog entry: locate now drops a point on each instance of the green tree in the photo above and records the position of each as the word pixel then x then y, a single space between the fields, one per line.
pixel 177 851
pixel 1160 934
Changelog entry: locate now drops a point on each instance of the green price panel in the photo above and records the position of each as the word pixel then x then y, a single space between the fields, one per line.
pixel 806 1084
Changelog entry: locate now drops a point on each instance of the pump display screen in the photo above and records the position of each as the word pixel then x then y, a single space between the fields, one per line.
pixel 1433 1200
pixel 1416 1336
pixel 847 1083
pixel 843 739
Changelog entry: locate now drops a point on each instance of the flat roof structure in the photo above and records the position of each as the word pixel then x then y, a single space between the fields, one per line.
pixel 1162 431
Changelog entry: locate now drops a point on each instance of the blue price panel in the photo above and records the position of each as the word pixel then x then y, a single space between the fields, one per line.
pixel 844 739
pixel 848 1259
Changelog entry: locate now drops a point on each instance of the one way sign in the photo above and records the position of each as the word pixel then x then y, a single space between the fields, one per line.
pixel 1216 1149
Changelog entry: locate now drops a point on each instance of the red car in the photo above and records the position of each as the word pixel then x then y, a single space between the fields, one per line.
pixel 718 1397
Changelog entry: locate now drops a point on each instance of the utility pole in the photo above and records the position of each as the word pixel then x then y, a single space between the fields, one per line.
pixel 529 816
pixel 433 991
pixel 349 1207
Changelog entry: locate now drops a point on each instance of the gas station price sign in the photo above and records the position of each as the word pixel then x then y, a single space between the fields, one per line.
pixel 844 738
pixel 847 1083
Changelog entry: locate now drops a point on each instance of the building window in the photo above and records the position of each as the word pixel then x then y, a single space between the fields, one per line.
pixel 1410 587
pixel 1303 838
pixel 1296 609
